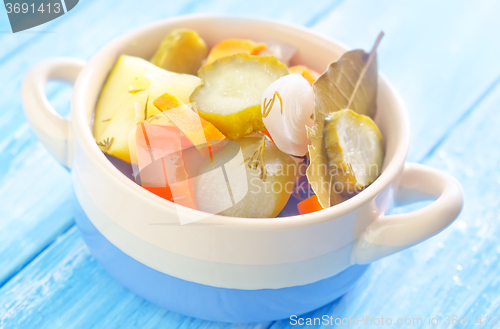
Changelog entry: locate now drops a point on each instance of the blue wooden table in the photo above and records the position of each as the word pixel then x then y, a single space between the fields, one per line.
pixel 443 57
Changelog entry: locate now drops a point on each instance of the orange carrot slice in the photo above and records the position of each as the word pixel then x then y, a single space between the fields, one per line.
pixel 207 139
pixel 309 205
pixel 309 74
pixel 161 164
pixel 167 102
pixel 265 132
pixel 231 47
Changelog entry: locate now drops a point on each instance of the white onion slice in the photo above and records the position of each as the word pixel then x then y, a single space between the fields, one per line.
pixel 288 130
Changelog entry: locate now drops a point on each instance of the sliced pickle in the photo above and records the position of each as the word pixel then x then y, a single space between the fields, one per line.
pixel 354 149
pixel 231 91
pixel 254 195
pixel 181 51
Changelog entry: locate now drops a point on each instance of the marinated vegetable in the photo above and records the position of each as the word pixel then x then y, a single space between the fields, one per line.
pixel 234 131
pixel 231 92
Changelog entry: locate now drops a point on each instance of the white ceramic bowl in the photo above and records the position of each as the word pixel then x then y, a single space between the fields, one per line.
pixel 223 268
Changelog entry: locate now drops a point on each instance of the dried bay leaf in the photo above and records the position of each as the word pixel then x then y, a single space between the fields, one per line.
pixel 349 83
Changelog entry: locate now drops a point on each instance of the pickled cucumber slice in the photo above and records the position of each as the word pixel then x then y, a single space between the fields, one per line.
pixel 182 51
pixel 231 92
pixel 249 195
pixel 354 149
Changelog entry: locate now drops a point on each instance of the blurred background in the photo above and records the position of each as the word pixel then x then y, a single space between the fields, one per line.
pixel 443 58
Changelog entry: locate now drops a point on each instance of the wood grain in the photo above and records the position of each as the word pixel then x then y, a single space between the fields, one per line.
pixel 441 56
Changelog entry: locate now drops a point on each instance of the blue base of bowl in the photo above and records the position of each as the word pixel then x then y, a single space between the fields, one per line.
pixel 207 302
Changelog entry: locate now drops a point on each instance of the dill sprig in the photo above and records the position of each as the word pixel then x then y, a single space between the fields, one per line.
pixel 269 105
pixel 256 160
pixel 146 109
pixel 106 144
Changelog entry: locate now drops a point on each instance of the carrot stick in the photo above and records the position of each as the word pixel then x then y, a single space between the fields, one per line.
pixel 231 47
pixel 309 205
pixel 161 164
pixel 207 139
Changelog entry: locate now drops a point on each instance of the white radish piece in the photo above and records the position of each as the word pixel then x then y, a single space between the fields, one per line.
pixel 293 95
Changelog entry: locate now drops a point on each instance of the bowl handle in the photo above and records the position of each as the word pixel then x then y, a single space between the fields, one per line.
pixel 392 233
pixel 53 130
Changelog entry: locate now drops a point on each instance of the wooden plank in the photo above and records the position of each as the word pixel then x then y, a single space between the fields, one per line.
pixel 440 55
pixel 455 272
pixel 15 43
pixel 34 190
